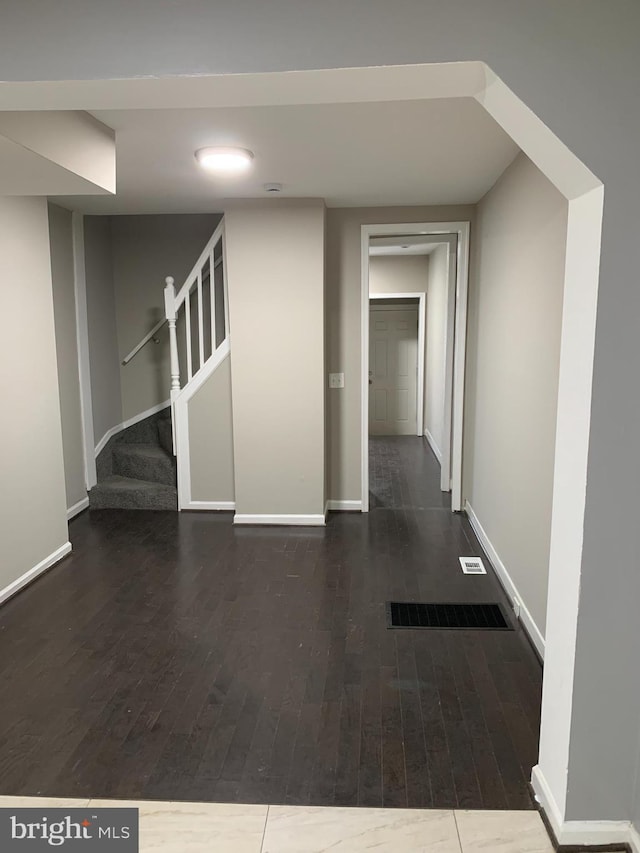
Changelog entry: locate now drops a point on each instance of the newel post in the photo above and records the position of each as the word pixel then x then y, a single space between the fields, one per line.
pixel 170 311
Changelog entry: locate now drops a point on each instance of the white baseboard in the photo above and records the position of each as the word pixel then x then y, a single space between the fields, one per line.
pixel 286 520
pixel 33 573
pixel 100 446
pixel 344 506
pixel 129 422
pixel 216 506
pixel 579 832
pixel 432 444
pixel 523 614
pixel 143 415
pixel 77 508
pixel 634 839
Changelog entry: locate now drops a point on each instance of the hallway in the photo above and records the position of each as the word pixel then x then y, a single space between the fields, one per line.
pixel 175 657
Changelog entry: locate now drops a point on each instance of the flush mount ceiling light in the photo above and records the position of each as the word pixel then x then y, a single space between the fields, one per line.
pixel 225 161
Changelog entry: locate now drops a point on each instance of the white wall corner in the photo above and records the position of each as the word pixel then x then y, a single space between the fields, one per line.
pixel 33 573
pixel 525 617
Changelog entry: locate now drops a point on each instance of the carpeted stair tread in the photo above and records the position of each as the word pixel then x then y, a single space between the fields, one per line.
pixel 121 492
pixel 116 481
pixel 148 462
pixel 137 468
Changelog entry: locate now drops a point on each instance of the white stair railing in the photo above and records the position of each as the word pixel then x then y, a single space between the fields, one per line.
pixel 198 318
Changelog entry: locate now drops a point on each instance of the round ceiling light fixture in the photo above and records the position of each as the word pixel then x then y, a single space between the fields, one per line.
pixel 224 161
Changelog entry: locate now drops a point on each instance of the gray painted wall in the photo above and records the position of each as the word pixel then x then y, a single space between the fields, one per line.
pixel 64 307
pixel 146 249
pixel 275 270
pixel 397 274
pixel 575 64
pixel 104 362
pixel 33 523
pixel 513 359
pixel 211 438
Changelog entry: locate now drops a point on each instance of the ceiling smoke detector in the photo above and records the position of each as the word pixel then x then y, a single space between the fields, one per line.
pixel 273 188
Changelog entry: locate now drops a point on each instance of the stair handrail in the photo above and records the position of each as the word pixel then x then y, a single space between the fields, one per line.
pixel 148 337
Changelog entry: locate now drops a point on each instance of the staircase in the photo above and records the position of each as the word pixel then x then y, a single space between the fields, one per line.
pixel 137 469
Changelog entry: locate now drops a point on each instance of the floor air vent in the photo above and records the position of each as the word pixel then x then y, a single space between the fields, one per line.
pixel 472 566
pixel 484 617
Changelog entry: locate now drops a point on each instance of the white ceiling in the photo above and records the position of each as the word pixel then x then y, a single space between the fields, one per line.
pixel 443 151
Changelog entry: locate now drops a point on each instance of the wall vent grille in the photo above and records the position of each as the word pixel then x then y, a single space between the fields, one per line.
pixel 472 566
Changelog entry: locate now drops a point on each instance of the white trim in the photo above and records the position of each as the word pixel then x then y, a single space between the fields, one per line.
pixel 216 506
pixel 579 309
pixel 573 423
pixel 128 423
pixel 77 508
pixel 449 344
pixel 159 407
pixel 100 446
pixel 634 839
pixel 421 296
pixel 432 444
pixel 459 362
pixel 82 341
pixel 344 506
pixel 461 230
pixel 317 520
pixel 580 832
pixel 211 365
pixel 33 573
pixel 520 608
pixel 181 422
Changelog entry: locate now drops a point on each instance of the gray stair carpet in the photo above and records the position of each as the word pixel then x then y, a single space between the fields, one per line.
pixel 137 469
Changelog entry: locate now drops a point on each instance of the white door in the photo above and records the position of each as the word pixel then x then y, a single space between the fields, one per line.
pixel 393 368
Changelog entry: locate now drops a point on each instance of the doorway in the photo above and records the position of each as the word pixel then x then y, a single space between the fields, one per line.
pixel 389 404
pixel 396 364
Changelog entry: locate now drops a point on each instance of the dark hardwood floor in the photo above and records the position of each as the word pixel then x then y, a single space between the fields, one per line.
pixel 173 656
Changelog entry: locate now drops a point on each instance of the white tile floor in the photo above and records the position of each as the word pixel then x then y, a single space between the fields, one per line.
pixel 230 828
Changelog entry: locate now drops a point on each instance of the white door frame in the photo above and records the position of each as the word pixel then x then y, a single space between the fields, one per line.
pixel 421 306
pixel 82 339
pixel 456 404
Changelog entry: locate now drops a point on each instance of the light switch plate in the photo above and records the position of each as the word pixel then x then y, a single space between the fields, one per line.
pixel 336 380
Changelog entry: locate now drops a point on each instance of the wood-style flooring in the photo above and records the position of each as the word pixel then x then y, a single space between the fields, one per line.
pixel 175 657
